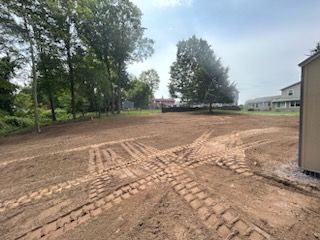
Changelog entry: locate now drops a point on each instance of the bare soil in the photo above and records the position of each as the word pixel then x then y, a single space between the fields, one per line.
pixel 165 176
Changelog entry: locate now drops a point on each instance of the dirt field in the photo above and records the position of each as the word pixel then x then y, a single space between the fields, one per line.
pixel 166 176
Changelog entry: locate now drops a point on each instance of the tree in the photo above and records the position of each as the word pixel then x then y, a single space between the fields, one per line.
pixel 151 78
pixel 63 29
pixel 18 18
pixel 197 75
pixel 139 92
pixel 51 78
pixel 129 44
pixel 94 26
pixel 93 81
pixel 113 29
pixel 7 89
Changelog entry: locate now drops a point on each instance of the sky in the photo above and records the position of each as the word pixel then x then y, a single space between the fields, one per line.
pixel 261 41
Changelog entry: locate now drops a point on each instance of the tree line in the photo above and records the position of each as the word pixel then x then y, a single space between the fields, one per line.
pixel 76 53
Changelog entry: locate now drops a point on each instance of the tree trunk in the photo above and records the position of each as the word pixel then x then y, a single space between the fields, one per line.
pixel 34 90
pixel 53 113
pixel 112 100
pixel 210 107
pixel 108 105
pixel 34 79
pixel 119 88
pixel 104 103
pixel 112 94
pixel 71 78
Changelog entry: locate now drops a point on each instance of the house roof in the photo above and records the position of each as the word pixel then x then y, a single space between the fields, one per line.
pixel 310 59
pixel 163 100
pixel 291 85
pixel 263 99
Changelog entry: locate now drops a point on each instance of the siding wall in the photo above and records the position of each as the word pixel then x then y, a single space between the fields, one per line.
pixel 260 106
pixel 310 135
pixel 296 92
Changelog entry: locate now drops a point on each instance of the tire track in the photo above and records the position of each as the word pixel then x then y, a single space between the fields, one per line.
pixel 164 168
pixel 94 208
pixel 216 214
pixel 44 192
pixel 2 164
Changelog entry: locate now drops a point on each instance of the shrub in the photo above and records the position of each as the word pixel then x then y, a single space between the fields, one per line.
pixel 3 125
pixel 62 114
pixel 19 122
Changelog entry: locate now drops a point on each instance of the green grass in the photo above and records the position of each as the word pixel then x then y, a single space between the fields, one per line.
pixel 261 113
pixel 271 113
pixel 143 112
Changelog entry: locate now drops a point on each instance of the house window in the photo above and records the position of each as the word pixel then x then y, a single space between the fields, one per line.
pixel 295 104
pixel 290 93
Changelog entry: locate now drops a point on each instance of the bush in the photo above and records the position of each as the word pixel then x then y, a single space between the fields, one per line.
pixel 3 125
pixel 62 114
pixel 19 122
pixel 44 115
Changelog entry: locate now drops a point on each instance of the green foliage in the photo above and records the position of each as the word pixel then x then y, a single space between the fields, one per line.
pixel 198 76
pixel 61 115
pixel 19 122
pixel 139 93
pixel 79 51
pixel 150 77
pixel 93 82
pixel 52 80
pixel 7 89
pixel 21 24
pixel 23 103
pixel 114 31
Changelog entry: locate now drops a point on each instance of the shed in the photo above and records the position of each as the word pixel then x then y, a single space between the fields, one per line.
pixel 126 105
pixel 309 145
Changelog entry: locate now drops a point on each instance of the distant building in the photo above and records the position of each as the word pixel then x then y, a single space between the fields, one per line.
pixel 261 104
pixel 289 100
pixel 126 105
pixel 159 102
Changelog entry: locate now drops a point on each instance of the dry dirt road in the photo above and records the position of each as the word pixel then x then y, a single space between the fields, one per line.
pixel 166 176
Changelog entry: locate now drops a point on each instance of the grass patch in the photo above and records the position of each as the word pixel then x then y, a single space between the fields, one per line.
pixel 256 113
pixel 271 113
pixel 142 112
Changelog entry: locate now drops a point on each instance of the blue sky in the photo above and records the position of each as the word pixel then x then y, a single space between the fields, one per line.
pixel 261 41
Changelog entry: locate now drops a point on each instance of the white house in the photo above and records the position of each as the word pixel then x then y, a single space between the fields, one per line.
pixel 289 100
pixel 261 104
